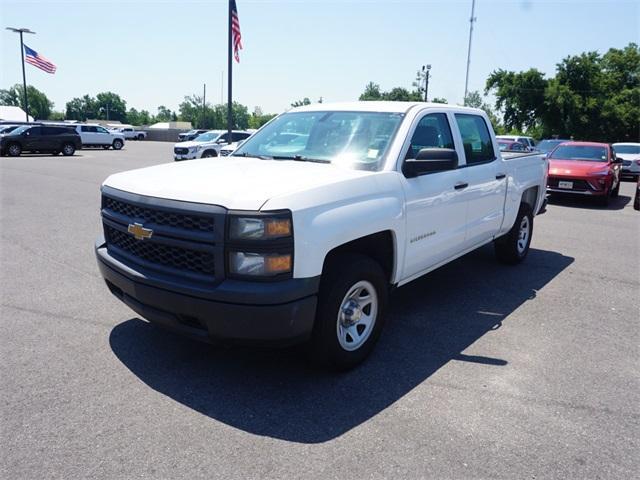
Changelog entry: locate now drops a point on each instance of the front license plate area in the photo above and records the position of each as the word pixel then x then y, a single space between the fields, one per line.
pixel 567 185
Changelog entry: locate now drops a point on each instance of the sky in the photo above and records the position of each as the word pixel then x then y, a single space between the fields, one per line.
pixel 155 52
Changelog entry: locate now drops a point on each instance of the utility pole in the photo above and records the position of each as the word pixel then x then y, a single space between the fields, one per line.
pixel 24 77
pixel 471 21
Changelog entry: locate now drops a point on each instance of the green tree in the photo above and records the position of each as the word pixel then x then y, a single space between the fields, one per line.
pixel 475 100
pixel 110 106
pixel 39 105
pixel 258 118
pixel 165 115
pixel 371 92
pixel 520 97
pixel 81 108
pixel 58 116
pixel 401 94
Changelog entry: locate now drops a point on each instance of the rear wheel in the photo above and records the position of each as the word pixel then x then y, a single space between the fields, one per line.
pixel 351 308
pixel 14 150
pixel 68 149
pixel 117 144
pixel 513 247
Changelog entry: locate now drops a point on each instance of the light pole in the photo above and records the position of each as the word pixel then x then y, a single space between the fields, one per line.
pixel 471 20
pixel 24 77
pixel 426 70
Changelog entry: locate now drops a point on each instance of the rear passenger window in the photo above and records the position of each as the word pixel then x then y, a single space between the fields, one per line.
pixel 475 138
pixel 432 131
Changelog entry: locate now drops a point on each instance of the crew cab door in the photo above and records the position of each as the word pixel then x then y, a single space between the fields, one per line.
pixel 88 135
pixel 435 202
pixel 102 135
pixel 486 178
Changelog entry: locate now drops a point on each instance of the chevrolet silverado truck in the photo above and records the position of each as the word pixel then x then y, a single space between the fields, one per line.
pixel 300 234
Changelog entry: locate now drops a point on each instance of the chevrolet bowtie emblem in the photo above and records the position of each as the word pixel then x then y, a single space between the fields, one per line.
pixel 138 231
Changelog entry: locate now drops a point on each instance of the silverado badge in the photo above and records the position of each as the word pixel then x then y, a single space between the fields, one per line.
pixel 138 231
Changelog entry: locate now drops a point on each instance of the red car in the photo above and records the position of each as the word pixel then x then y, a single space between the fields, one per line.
pixel 585 168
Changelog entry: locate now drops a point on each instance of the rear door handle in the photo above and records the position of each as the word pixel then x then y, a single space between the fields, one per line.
pixel 460 185
pixel 500 176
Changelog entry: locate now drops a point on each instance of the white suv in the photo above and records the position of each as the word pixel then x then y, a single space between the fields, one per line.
pixel 206 144
pixel 98 136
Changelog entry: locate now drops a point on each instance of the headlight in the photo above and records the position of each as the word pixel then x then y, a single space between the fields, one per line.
pixel 259 264
pixel 259 228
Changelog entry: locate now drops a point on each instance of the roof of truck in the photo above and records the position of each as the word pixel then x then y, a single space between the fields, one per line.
pixel 374 106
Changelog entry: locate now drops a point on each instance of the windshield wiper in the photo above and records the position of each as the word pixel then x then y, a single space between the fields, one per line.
pixel 300 158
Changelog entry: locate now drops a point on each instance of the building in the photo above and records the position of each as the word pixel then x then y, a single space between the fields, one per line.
pixel 13 114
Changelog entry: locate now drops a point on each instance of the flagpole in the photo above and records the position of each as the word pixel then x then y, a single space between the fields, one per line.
pixel 229 83
pixel 24 75
pixel 24 79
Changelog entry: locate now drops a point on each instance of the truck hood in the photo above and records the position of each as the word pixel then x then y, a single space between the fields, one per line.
pixel 575 167
pixel 232 182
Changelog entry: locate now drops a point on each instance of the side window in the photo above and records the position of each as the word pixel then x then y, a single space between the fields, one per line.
pixel 224 137
pixel 84 128
pixel 34 131
pixel 239 136
pixel 101 130
pixel 432 131
pixel 475 138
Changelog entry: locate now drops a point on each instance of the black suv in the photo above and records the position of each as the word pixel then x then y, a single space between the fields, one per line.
pixel 40 138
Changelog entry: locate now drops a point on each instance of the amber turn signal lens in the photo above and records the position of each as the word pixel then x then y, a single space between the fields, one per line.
pixel 277 264
pixel 278 227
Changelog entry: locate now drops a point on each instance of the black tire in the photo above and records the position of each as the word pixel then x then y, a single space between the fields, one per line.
pixel 209 154
pixel 343 275
pixel 14 149
pixel 604 200
pixel 510 248
pixel 68 149
pixel 106 147
pixel 117 144
pixel 616 191
pixel 140 137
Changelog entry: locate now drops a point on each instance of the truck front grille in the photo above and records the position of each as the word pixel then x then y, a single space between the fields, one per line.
pixel 157 253
pixel 180 151
pixel 184 241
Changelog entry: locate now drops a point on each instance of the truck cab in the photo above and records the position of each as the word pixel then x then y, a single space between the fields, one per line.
pixel 299 234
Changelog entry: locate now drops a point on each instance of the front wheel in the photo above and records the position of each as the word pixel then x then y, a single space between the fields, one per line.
pixel 140 137
pixel 117 144
pixel 513 247
pixel 209 154
pixel 351 309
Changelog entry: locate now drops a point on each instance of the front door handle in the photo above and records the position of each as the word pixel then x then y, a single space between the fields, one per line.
pixel 460 185
pixel 500 176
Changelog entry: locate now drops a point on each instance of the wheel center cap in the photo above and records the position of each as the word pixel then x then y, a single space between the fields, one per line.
pixel 351 313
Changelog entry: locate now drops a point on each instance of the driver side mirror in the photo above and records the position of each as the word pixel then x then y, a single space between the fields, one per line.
pixel 430 160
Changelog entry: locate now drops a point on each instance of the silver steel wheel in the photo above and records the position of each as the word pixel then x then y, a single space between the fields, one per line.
pixel 68 149
pixel 117 144
pixel 523 234
pixel 357 315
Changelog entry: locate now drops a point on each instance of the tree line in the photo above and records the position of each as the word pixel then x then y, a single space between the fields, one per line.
pixel 111 106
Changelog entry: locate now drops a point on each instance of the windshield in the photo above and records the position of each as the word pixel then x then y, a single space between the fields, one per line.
pixel 207 137
pixel 546 146
pixel 629 149
pixel 580 152
pixel 358 140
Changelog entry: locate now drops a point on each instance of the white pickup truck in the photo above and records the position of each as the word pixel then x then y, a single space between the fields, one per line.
pixel 132 134
pixel 299 235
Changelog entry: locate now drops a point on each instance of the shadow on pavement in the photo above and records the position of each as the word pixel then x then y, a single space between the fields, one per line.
pixel 274 393
pixel 591 203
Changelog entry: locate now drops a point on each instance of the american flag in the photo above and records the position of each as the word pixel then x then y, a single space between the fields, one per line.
pixel 32 57
pixel 235 31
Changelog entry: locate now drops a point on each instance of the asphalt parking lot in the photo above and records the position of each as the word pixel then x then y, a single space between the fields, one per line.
pixel 483 371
